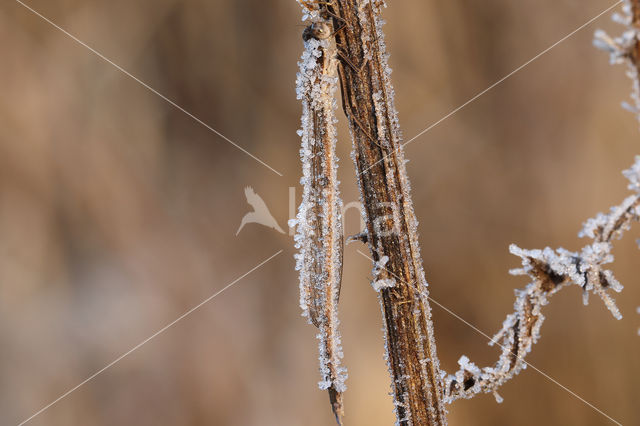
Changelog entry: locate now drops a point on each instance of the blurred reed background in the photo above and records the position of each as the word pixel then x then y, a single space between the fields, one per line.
pixel 118 212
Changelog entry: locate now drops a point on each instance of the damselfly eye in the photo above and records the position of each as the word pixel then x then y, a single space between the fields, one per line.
pixel 317 30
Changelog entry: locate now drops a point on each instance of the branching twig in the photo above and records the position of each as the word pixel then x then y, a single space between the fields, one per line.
pixel 550 270
pixel 626 48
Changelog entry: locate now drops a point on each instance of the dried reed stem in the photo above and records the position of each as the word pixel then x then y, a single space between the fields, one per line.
pixel 391 225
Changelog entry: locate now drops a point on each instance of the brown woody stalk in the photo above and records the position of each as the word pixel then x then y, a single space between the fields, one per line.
pixel 388 212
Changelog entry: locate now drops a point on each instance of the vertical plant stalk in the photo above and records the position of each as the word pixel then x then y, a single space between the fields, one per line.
pixel 319 235
pixel 391 225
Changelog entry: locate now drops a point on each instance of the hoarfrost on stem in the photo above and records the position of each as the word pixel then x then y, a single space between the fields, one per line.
pixel 392 226
pixel 550 270
pixel 625 48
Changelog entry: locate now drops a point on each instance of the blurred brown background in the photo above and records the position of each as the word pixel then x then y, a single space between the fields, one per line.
pixel 118 212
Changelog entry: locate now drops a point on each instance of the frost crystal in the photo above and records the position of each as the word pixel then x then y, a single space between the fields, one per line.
pixel 550 270
pixel 319 235
pixel 379 266
pixel 633 174
pixel 383 283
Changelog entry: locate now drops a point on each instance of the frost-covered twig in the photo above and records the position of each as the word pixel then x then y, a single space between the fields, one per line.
pixel 626 48
pixel 319 236
pixel 550 270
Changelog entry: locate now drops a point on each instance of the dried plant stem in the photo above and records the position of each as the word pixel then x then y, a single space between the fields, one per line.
pixel 388 212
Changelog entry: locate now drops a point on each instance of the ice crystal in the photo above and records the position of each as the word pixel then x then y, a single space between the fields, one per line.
pixel 633 174
pixel 380 266
pixel 383 283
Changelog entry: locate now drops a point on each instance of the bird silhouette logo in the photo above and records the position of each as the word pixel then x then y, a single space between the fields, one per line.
pixel 260 214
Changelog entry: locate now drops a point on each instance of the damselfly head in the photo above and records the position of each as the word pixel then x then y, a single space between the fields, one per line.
pixel 317 30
